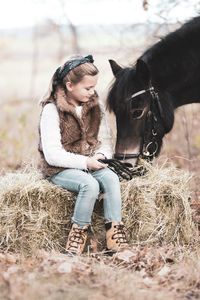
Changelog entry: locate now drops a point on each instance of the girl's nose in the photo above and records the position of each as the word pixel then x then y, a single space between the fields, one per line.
pixel 91 92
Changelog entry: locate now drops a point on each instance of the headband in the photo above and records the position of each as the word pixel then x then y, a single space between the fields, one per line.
pixel 62 71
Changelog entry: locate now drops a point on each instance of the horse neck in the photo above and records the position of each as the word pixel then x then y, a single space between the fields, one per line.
pixel 181 81
pixel 186 96
pixel 180 92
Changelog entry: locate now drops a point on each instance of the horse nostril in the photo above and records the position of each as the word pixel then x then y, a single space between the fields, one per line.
pixel 137 114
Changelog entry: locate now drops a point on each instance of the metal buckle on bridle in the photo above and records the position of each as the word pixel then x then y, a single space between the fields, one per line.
pixel 147 153
pixel 154 132
pixel 153 93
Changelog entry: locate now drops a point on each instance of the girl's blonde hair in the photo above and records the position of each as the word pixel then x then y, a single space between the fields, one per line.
pixel 73 70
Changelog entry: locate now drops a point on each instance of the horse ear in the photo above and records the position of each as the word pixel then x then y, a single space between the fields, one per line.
pixel 142 71
pixel 115 67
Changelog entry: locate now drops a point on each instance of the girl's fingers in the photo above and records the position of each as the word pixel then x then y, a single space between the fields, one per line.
pixel 102 166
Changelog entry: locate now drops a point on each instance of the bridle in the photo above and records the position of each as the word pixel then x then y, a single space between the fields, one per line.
pixel 145 149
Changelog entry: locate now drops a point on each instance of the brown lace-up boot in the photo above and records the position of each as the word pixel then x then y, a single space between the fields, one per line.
pixel 115 237
pixel 77 239
pixel 78 236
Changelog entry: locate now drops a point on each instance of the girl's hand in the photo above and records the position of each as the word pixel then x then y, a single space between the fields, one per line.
pixel 94 164
pixel 98 156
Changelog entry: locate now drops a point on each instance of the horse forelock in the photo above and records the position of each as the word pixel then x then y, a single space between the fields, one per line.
pixel 120 90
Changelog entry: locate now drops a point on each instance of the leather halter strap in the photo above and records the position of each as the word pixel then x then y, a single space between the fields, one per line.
pixel 121 156
pixel 151 89
pixel 144 153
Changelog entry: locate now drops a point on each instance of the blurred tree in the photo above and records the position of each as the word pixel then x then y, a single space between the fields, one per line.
pixel 52 25
pixel 72 27
pixel 145 4
pixel 34 61
pixel 164 7
pixel 64 20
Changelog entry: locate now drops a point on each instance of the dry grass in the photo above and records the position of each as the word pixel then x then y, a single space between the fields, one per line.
pixel 33 212
pixel 36 214
pixel 153 273
pixel 157 206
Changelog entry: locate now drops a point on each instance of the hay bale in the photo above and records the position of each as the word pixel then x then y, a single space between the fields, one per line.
pixel 33 213
pixel 36 214
pixel 156 207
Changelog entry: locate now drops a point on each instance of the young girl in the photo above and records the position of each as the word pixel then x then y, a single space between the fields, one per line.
pixel 73 138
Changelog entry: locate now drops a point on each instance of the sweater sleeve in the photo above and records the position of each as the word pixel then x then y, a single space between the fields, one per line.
pixel 53 150
pixel 105 136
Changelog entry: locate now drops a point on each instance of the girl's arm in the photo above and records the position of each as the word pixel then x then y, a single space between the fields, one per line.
pixel 53 150
pixel 105 137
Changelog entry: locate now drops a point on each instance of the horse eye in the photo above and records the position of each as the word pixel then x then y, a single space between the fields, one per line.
pixel 136 103
pixel 137 113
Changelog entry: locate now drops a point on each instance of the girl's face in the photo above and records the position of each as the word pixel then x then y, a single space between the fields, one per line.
pixel 83 90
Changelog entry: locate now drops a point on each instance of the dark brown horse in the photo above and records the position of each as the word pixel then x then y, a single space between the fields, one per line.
pixel 145 95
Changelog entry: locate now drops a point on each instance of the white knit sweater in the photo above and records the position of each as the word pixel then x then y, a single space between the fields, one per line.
pixel 53 150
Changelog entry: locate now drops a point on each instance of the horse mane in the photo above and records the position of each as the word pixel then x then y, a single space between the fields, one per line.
pixel 174 60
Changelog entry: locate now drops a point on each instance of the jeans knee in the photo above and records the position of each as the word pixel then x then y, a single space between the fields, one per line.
pixel 112 177
pixel 91 186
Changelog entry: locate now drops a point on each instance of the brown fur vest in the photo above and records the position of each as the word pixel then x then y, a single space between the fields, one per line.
pixel 78 135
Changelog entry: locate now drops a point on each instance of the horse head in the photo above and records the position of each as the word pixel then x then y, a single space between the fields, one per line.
pixel 143 113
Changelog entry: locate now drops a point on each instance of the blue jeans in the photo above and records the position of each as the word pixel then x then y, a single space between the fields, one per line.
pixel 88 186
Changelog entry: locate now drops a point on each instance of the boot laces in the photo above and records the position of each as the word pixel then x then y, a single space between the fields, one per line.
pixel 77 238
pixel 119 234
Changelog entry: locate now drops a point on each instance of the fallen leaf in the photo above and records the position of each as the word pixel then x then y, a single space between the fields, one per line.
pixel 65 267
pixel 164 271
pixel 125 255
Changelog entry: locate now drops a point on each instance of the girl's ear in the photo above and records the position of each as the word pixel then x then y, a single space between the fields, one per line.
pixel 69 86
